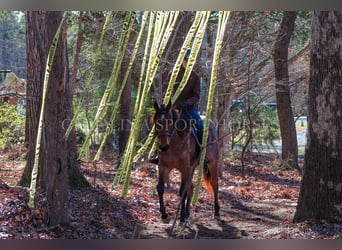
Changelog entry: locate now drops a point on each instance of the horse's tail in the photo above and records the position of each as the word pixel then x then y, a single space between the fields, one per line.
pixel 209 173
pixel 206 179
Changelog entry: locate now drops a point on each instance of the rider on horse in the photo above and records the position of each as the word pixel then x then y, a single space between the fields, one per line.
pixel 188 99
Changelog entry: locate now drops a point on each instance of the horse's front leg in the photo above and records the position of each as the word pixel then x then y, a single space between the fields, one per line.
pixel 160 189
pixel 186 192
pixel 190 192
pixel 183 195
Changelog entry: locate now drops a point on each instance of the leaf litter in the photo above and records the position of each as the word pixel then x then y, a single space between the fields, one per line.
pixel 259 205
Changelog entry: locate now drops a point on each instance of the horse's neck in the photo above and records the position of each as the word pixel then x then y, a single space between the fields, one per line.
pixel 182 134
pixel 184 142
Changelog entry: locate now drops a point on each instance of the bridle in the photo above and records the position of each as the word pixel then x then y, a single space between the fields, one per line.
pixel 169 133
pixel 166 133
pixel 165 114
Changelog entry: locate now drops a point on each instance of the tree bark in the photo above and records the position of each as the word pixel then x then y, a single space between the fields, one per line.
pixel 74 71
pixel 320 196
pixel 38 39
pixel 223 113
pixel 36 60
pixel 53 171
pixel 56 160
pixel 75 178
pixel 125 108
pixel 285 114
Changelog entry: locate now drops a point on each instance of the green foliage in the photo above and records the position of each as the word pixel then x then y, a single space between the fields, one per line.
pixel 13 46
pixel 80 135
pixel 302 32
pixel 90 30
pixel 264 123
pixel 90 76
pixel 11 124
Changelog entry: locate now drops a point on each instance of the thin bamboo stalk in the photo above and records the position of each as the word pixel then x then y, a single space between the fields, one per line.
pixel 103 107
pixel 123 84
pixel 90 77
pixel 172 80
pixel 157 48
pixel 223 18
pixel 119 176
pixel 160 45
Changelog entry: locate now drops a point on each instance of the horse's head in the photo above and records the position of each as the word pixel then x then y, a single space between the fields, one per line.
pixel 163 119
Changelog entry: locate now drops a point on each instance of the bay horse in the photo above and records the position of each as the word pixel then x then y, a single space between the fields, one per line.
pixel 179 149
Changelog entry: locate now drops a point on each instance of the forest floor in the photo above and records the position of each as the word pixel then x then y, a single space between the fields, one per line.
pixel 259 205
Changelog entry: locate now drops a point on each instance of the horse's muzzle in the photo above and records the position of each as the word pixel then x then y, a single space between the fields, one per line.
pixel 164 148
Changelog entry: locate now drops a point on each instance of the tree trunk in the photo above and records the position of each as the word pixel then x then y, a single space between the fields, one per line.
pixel 36 60
pixel 74 71
pixel 285 114
pixel 75 178
pixel 223 113
pixel 56 160
pixel 53 172
pixel 38 44
pixel 320 195
pixel 224 90
pixel 125 108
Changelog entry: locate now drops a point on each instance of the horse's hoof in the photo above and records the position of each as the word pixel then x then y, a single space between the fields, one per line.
pixel 185 223
pixel 166 220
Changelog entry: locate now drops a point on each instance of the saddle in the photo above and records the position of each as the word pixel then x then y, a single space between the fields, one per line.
pixel 183 114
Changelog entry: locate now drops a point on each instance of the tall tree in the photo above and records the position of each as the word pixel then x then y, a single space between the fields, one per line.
pixel 36 50
pixel 41 28
pixel 320 195
pixel 38 41
pixel 283 95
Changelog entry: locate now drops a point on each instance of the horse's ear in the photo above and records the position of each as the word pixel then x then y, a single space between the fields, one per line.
pixel 169 105
pixel 156 105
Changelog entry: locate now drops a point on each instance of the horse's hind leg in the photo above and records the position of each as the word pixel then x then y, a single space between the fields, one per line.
pixel 214 185
pixel 217 206
pixel 160 189
pixel 190 191
pixel 213 151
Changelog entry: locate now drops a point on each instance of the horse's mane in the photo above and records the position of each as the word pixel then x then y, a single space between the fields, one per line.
pixel 152 118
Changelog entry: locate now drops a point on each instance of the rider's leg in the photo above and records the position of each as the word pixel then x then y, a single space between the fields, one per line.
pixel 154 159
pixel 199 126
pixel 198 122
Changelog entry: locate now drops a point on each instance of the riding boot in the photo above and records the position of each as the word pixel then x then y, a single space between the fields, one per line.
pixel 154 159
